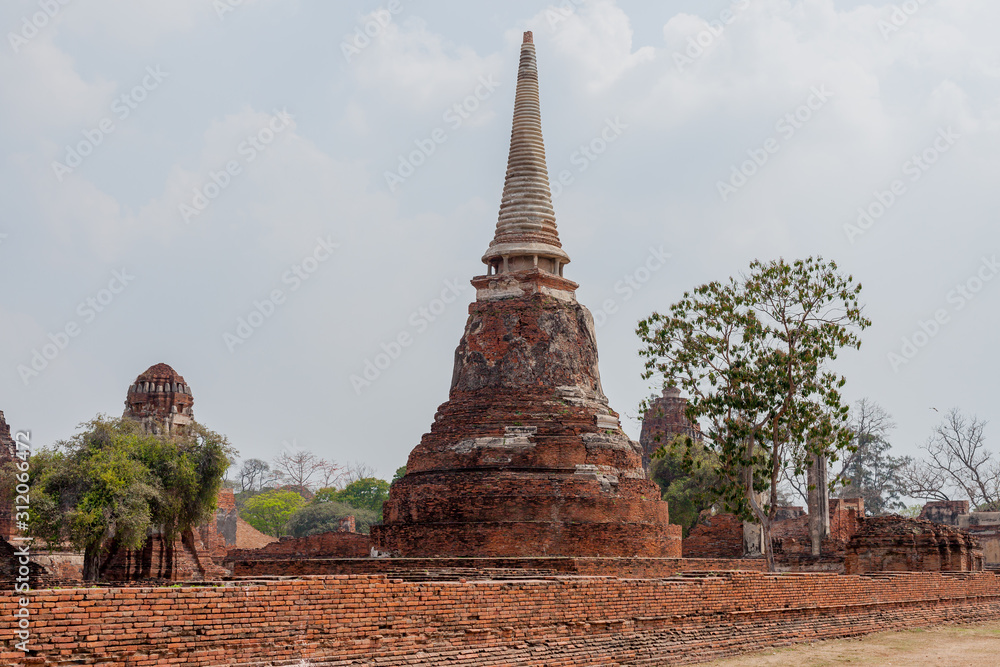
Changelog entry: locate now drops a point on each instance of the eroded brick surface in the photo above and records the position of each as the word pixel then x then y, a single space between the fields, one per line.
pixel 323 545
pixel 526 458
pixel 8 450
pixel 160 400
pixel 895 543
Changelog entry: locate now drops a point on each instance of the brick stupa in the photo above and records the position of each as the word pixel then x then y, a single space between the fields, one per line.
pixel 161 401
pixel 664 420
pixel 526 458
pixel 8 452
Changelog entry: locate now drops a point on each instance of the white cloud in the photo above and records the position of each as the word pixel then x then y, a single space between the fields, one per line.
pixel 596 38
pixel 42 91
pixel 417 69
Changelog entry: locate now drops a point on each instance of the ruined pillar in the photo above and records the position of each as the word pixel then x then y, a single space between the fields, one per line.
pixel 819 502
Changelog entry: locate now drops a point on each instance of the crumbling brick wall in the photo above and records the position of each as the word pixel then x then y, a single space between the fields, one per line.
pixel 715 536
pixel 945 511
pixel 325 545
pixel 488 568
pixel 899 544
pixel 721 536
pixel 582 622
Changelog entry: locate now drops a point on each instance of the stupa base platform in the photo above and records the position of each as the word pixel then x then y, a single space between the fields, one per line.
pixel 524 539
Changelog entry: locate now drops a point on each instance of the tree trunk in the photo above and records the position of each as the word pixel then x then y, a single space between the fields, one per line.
pixel 768 546
pixel 91 563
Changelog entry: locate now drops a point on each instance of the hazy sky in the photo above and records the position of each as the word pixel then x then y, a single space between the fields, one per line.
pixel 169 168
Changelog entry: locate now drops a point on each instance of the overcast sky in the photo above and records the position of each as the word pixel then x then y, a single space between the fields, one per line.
pixel 168 168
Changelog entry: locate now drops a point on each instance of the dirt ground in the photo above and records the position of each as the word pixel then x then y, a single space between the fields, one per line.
pixel 948 646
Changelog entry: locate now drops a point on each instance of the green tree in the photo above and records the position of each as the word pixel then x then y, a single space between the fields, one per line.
pixel 110 484
pixel 325 516
pixel 400 473
pixel 368 493
pixel 753 354
pixel 269 512
pixel 687 476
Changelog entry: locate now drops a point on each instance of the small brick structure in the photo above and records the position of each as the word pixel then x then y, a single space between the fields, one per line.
pixel 715 536
pixel 947 512
pixel 336 544
pixel 900 544
pixel 564 620
pixel 984 526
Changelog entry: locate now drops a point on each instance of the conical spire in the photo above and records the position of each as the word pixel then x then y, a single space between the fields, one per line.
pixel 526 231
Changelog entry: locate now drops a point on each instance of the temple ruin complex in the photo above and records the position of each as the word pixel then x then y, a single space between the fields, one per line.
pixel 525 531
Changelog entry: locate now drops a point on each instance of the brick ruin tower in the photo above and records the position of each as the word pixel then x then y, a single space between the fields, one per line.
pixel 161 401
pixel 526 458
pixel 663 421
pixel 8 453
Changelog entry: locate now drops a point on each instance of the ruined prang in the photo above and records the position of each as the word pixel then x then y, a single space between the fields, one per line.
pixel 161 401
pixel 8 452
pixel 664 420
pixel 526 458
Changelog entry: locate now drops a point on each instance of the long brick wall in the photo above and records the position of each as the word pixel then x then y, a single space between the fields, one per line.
pixel 260 565
pixel 572 621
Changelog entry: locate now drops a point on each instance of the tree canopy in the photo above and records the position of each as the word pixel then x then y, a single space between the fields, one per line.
pixel 367 494
pixel 687 476
pixel 753 354
pixel 270 511
pixel 325 516
pixel 112 482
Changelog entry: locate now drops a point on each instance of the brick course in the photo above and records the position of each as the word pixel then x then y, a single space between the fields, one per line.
pixel 578 621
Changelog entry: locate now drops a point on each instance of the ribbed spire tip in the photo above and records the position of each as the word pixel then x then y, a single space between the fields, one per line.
pixel 528 38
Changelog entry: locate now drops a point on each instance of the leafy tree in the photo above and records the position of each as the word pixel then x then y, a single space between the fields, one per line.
pixel 400 473
pixel 753 353
pixel 367 493
pixel 112 483
pixel 325 516
pixel 687 478
pixel 957 465
pixel 269 512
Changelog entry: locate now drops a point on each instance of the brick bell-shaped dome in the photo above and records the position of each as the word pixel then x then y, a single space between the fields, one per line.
pixel 526 458
pixel 161 400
